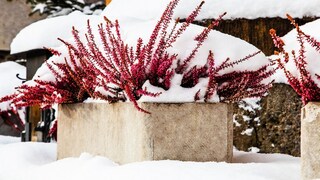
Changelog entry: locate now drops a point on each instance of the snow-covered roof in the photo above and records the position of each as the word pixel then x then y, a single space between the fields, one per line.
pixel 44 33
pixel 250 9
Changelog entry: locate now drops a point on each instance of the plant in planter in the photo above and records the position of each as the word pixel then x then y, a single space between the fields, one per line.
pixel 303 83
pixel 120 71
pixel 306 82
pixel 112 70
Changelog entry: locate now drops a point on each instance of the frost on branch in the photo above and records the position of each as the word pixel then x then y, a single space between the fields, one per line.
pixel 303 83
pixel 104 66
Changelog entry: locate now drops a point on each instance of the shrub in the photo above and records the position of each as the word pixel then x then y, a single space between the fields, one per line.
pixel 119 71
pixel 302 83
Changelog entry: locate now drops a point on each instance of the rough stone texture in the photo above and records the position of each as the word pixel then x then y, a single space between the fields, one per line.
pixel 310 138
pixel 14 16
pixel 187 132
pixel 277 129
pixel 242 141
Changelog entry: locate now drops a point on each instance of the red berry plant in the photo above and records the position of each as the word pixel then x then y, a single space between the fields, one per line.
pixel 303 83
pixel 115 71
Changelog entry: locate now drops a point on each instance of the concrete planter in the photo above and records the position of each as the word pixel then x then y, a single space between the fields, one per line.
pixel 310 141
pixel 187 132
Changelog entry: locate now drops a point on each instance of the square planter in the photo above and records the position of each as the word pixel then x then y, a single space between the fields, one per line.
pixel 310 141
pixel 179 131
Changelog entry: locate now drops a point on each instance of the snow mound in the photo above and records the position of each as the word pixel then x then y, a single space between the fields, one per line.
pixel 37 161
pixel 19 157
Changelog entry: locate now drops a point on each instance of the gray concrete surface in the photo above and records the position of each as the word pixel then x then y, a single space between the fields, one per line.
pixel 187 132
pixel 310 141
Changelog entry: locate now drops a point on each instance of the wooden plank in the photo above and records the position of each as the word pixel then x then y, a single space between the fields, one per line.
pixel 256 31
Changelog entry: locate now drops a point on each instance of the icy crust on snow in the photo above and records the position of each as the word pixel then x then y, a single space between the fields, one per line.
pixel 312 56
pixel 249 9
pixel 9 80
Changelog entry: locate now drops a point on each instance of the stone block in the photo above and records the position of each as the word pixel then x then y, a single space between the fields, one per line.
pixel 310 141
pixel 186 132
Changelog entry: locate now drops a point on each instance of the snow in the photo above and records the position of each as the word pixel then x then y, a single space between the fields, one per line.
pixel 38 161
pixel 246 118
pixel 250 9
pixel 250 104
pixel 247 132
pixel 8 140
pixel 39 7
pixel 291 44
pixel 254 149
pixel 235 122
pixel 8 79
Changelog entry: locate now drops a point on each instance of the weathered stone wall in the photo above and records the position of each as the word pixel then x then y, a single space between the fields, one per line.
pixel 14 16
pixel 275 127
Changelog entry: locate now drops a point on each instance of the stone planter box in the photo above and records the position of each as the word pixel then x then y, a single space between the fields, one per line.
pixel 310 141
pixel 187 132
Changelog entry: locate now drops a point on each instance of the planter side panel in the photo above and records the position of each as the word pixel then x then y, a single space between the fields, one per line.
pixel 310 141
pixel 188 132
pixel 110 130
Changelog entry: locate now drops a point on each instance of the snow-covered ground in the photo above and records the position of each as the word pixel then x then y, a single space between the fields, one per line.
pixel 37 161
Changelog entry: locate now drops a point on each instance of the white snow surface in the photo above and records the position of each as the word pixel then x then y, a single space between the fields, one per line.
pixel 249 9
pixel 37 161
pixel 8 79
pixel 292 44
